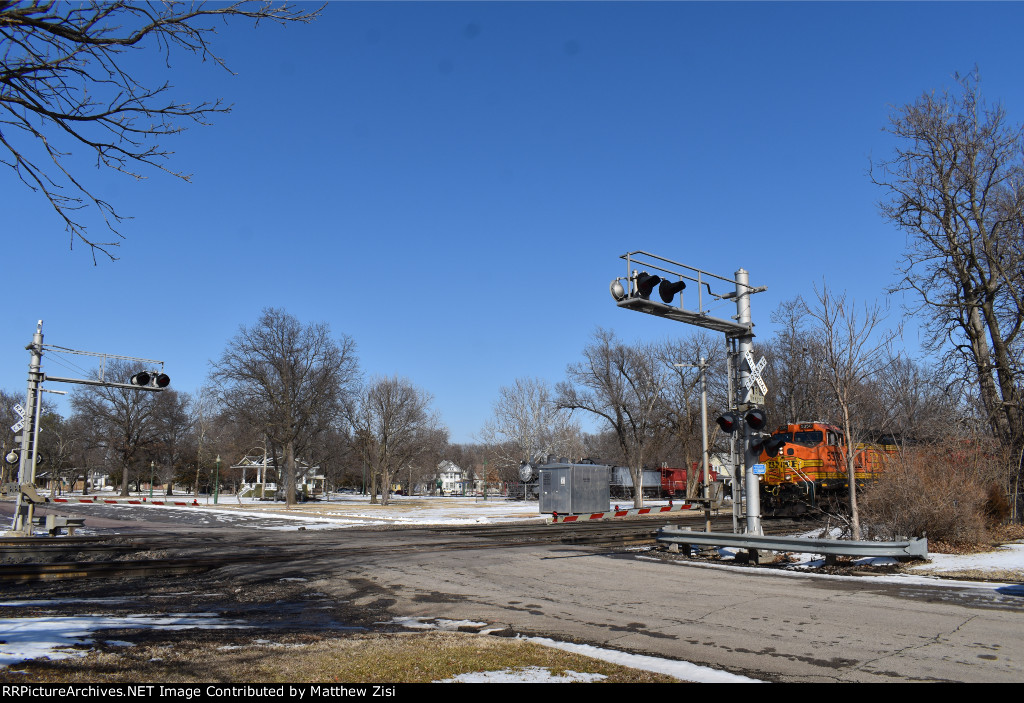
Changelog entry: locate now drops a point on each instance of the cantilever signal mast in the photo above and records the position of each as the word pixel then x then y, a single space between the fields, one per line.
pixel 28 456
pixel 739 336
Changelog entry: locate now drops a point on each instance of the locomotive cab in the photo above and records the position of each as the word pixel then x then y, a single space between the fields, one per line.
pixel 801 460
pixel 810 467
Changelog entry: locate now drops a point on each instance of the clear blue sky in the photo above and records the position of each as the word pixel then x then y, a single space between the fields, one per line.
pixel 452 184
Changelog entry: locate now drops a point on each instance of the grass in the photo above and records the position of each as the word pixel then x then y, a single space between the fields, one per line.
pixel 219 657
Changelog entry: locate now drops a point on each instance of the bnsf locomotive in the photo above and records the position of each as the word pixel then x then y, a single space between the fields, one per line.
pixel 805 467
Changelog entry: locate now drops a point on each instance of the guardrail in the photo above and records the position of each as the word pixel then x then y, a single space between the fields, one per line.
pixel 831 548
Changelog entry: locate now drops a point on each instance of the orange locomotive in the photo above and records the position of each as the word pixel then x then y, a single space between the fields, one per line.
pixel 805 467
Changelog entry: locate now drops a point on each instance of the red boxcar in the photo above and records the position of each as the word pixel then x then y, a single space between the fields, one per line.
pixel 673 481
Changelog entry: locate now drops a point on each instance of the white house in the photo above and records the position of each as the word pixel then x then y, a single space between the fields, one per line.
pixel 452 478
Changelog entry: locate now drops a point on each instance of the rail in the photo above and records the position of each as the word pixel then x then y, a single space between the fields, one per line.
pixel 831 548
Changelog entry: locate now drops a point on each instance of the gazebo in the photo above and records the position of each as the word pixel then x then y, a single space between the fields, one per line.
pixel 260 475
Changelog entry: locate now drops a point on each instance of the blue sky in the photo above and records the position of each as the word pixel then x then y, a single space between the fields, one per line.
pixel 452 184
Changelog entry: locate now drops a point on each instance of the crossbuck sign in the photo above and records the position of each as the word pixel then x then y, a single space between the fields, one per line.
pixel 755 372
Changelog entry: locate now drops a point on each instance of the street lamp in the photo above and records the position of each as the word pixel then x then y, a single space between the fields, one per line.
pixel 152 467
pixel 216 480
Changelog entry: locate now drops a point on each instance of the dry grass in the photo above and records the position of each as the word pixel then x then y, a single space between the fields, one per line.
pixel 208 656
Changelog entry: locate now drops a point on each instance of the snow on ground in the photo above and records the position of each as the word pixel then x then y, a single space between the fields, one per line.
pixel 54 637
pixel 343 510
pixel 529 674
pixel 27 638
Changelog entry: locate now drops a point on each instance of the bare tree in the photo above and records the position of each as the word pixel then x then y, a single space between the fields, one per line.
pixel 66 85
pixel 855 349
pixel 527 422
pixel 795 370
pixel 88 449
pixel 623 385
pixel 172 424
pixel 956 187
pixel 124 415
pixel 393 427
pixel 287 380
pixel 682 395
pixel 919 404
pixel 203 416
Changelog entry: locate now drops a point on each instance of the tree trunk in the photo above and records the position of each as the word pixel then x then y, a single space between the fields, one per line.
pixel 290 472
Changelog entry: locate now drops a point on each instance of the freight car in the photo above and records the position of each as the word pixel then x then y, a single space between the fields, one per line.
pixel 674 481
pixel 657 483
pixel 805 467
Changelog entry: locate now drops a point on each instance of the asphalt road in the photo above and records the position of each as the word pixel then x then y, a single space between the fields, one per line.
pixel 751 621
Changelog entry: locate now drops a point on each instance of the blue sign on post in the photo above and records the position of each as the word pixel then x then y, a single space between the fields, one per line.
pixel 758 469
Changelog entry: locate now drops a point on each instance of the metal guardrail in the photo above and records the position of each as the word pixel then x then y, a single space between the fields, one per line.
pixel 831 548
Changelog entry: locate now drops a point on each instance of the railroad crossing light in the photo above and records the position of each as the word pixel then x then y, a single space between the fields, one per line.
pixel 645 283
pixel 144 379
pixel 13 456
pixel 618 292
pixel 769 445
pixel 668 289
pixel 729 422
pixel 773 445
pixel 756 419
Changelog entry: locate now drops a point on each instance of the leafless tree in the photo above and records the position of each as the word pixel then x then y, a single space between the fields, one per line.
pixel 67 84
pixel 124 415
pixel 623 385
pixel 795 372
pixel 88 449
pixel 172 425
pixel 287 380
pixel 393 427
pixel 855 350
pixel 423 470
pixel 527 423
pixel 955 186
pixel 919 404
pixel 682 396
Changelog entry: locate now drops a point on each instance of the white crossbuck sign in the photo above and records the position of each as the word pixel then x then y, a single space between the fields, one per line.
pixel 17 426
pixel 755 372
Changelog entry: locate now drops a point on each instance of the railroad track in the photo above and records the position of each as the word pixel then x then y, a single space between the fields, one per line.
pixel 43 559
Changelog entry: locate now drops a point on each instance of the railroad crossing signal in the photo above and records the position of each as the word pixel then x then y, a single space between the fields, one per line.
pixel 28 457
pixel 633 292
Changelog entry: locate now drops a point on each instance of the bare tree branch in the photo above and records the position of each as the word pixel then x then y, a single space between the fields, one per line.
pixel 66 84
